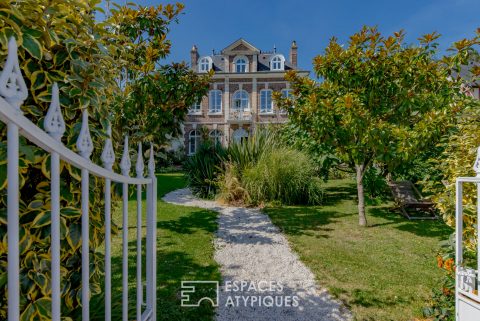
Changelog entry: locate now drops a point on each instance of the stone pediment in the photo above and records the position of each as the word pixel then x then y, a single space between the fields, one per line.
pixel 241 46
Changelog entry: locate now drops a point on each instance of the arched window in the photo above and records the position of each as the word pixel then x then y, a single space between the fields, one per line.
pixel 241 64
pixel 266 103
pixel 193 141
pixel 240 100
pixel 204 64
pixel 277 63
pixel 215 101
pixel 216 135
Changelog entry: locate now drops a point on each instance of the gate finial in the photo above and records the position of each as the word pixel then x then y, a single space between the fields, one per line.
pixel 151 162
pixel 125 162
pixel 54 123
pixel 139 166
pixel 476 165
pixel 108 155
pixel 84 141
pixel 12 84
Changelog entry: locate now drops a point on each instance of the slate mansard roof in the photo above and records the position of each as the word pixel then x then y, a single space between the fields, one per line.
pixel 241 47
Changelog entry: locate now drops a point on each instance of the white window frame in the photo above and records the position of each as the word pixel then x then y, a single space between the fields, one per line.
pixel 234 98
pixel 205 64
pixel 196 108
pixel 216 135
pixel 265 100
pixel 193 141
pixel 246 61
pixel 215 101
pixel 277 63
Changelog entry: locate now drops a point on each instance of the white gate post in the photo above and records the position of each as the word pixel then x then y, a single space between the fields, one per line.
pixel 14 90
pixel 125 165
pixel 55 127
pixel 85 148
pixel 152 237
pixel 108 158
pixel 139 167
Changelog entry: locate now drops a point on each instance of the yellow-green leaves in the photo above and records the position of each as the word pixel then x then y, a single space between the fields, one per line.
pixel 32 45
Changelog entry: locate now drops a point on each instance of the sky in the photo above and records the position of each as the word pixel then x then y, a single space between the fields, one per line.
pixel 214 24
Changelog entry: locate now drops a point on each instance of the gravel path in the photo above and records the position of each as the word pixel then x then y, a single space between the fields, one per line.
pixel 253 253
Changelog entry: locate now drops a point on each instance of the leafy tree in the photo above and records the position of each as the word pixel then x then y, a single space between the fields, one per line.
pixel 323 155
pixel 156 97
pixel 156 104
pixel 379 100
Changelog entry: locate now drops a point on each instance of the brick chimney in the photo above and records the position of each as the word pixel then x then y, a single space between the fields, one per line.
pixel 194 58
pixel 293 54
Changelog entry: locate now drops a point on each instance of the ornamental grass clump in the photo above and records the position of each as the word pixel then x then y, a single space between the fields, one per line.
pixel 283 175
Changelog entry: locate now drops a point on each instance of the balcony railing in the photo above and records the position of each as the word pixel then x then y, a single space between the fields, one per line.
pixel 240 116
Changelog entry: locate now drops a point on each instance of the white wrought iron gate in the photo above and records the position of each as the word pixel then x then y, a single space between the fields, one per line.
pixel 467 280
pixel 13 93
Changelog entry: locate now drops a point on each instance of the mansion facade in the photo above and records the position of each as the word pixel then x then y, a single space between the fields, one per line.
pixel 240 95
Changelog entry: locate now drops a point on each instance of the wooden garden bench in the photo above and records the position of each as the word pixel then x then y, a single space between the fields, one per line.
pixel 408 198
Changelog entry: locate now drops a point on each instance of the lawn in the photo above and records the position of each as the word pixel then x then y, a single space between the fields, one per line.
pixel 184 252
pixel 383 272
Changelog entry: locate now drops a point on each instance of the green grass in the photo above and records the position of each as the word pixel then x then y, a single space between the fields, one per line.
pixel 184 252
pixel 383 272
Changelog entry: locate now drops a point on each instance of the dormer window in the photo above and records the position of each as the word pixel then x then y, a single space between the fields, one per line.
pixel 205 64
pixel 241 64
pixel 277 63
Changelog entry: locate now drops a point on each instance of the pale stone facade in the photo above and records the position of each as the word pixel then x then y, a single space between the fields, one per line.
pixel 240 96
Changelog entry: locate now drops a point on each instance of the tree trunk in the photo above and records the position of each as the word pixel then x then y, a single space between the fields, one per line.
pixel 362 219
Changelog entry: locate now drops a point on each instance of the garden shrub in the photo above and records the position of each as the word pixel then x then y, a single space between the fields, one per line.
pixel 283 175
pixel 246 153
pixel 203 168
pixel 231 190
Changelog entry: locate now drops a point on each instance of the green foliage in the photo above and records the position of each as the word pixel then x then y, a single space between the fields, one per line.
pixel 322 155
pixel 375 184
pixel 441 306
pixel 283 175
pixel 202 169
pixel 380 100
pixel 155 105
pixel 61 41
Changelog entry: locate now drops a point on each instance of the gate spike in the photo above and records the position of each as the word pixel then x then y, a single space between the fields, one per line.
pixel 84 141
pixel 125 162
pixel 151 162
pixel 12 84
pixel 139 166
pixel 54 123
pixel 108 155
